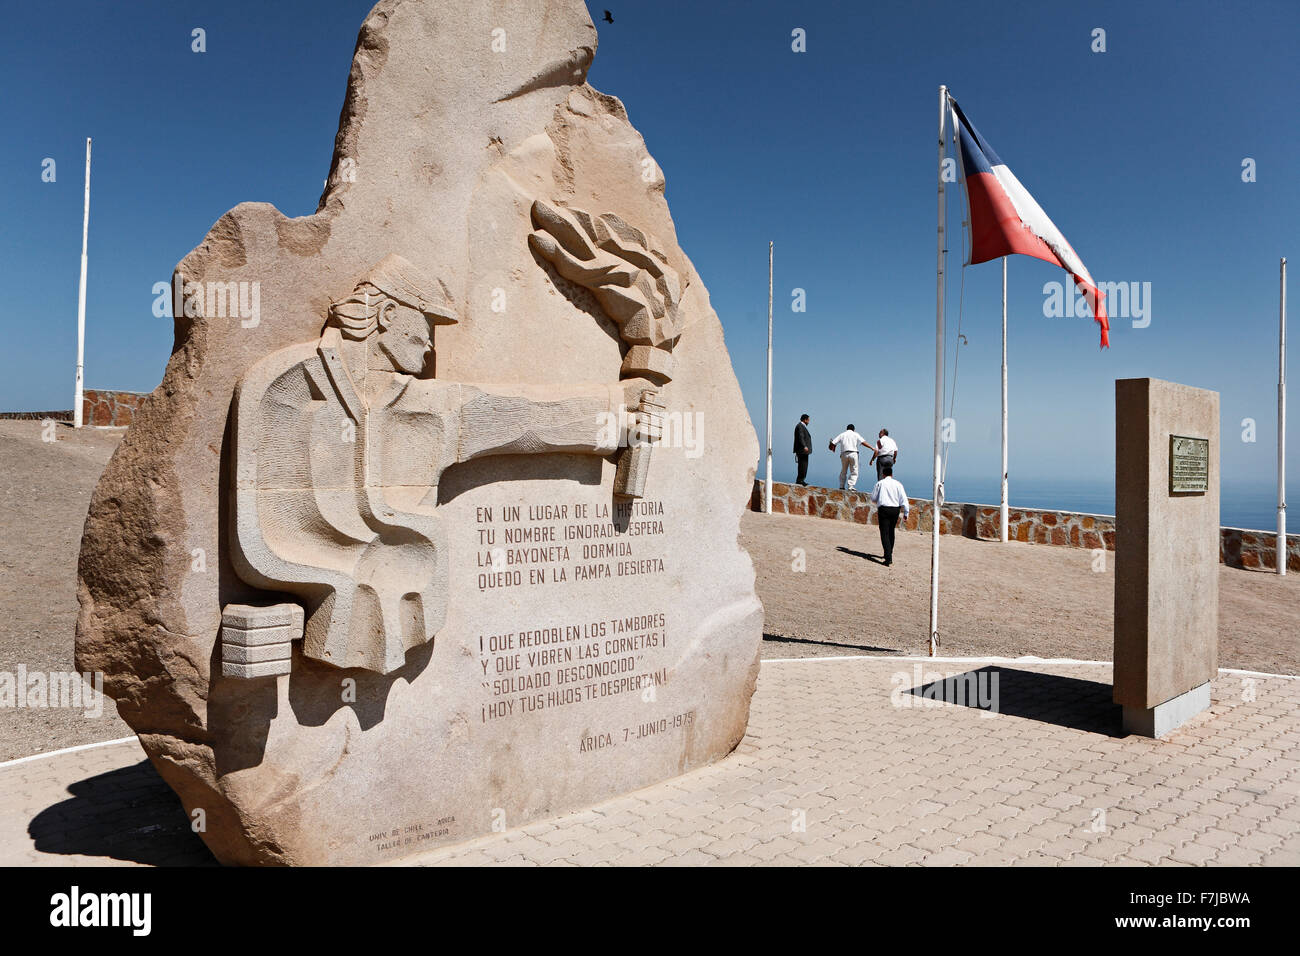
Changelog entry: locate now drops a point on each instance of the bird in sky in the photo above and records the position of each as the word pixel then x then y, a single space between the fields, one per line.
pixel 609 17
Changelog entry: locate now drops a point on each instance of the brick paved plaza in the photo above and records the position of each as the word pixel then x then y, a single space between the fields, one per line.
pixel 832 772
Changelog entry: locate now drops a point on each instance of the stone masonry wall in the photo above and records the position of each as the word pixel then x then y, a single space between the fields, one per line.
pixel 1237 548
pixel 104 407
pixel 64 415
pixel 1240 548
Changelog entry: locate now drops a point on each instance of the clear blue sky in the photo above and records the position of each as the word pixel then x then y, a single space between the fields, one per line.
pixel 1136 154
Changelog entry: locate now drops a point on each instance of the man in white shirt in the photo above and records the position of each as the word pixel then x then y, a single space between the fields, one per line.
pixel 886 453
pixel 847 443
pixel 890 499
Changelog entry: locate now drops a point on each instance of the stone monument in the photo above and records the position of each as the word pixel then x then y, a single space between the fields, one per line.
pixel 362 591
pixel 1166 552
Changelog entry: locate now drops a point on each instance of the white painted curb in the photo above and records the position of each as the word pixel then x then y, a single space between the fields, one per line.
pixel 66 750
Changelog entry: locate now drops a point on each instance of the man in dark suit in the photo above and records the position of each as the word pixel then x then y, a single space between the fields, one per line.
pixel 802 447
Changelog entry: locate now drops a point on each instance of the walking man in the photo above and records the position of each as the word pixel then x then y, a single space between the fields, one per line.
pixel 802 447
pixel 886 453
pixel 847 443
pixel 890 499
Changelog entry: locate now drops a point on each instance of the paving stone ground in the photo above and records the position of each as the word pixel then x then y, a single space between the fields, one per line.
pixel 101 806
pixel 846 762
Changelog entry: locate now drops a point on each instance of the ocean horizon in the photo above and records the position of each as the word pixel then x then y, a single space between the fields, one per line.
pixel 1242 504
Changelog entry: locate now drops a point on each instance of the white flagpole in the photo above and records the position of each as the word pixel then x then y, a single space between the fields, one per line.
pixel 937 487
pixel 1281 427
pixel 767 497
pixel 81 300
pixel 1003 519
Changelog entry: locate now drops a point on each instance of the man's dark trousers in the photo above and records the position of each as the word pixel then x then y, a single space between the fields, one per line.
pixel 881 462
pixel 803 468
pixel 888 515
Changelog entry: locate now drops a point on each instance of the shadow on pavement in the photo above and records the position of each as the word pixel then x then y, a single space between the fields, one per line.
pixel 1064 701
pixel 125 814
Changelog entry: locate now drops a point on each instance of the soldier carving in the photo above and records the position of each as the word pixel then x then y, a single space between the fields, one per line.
pixel 340 443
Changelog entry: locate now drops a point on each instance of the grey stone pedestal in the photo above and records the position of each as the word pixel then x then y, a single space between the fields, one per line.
pixel 1161 719
pixel 1166 552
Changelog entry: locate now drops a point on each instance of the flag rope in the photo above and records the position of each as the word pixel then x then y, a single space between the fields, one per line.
pixel 956 356
pixel 956 352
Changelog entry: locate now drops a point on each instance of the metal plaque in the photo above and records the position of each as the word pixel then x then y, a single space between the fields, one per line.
pixel 1189 465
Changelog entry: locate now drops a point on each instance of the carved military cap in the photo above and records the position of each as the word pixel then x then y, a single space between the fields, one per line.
pixel 403 283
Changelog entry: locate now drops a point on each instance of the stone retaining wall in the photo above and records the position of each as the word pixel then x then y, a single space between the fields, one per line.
pixel 1241 548
pixel 105 407
pixel 60 416
pixel 1238 548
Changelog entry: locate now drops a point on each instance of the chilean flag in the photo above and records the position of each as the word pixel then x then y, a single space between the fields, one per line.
pixel 1004 219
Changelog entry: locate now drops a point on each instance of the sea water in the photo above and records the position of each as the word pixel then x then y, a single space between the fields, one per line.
pixel 1242 504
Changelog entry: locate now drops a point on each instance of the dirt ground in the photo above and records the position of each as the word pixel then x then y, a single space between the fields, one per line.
pixel 997 600
pixel 45 490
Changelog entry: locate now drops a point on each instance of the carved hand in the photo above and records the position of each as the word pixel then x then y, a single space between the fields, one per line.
pixel 632 389
pixel 622 265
